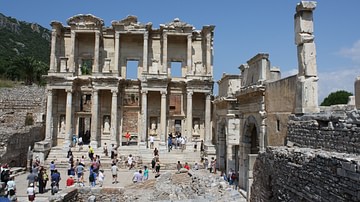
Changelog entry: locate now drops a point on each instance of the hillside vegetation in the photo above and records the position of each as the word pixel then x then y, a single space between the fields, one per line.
pixel 24 50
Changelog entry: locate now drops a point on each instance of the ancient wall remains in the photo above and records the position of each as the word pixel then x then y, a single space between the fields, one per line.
pixel 304 174
pixel 21 122
pixel 323 164
pixel 338 131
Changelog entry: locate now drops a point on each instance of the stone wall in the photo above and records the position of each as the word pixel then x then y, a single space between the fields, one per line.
pixel 304 174
pixel 336 131
pixel 21 122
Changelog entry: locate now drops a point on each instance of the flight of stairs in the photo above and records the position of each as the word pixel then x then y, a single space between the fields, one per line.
pixel 142 156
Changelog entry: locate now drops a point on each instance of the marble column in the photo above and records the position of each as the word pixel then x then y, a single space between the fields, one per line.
pixel 145 52
pixel 71 66
pixel 163 116
pixel 189 121
pixel 189 53
pixel 114 113
pixel 207 136
pixel 144 115
pixel 117 52
pixel 263 116
pixel 164 58
pixel 94 118
pixel 96 52
pixel 68 118
pixel 49 115
pixel 208 54
pixel 53 51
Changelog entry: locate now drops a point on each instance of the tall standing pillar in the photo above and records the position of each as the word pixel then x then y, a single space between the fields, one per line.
pixel 164 58
pixel 307 87
pixel 96 52
pixel 145 52
pixel 72 52
pixel 263 116
pixel 144 115
pixel 208 118
pixel 68 118
pixel 189 121
pixel 53 51
pixel 208 53
pixel 117 52
pixel 49 114
pixel 114 113
pixel 189 53
pixel 94 118
pixel 163 116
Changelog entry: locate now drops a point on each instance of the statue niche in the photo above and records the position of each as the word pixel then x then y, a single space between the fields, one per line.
pixel 106 124
pixel 153 126
pixel 196 127
pixel 62 124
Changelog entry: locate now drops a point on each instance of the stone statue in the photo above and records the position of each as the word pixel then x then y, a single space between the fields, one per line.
pixel 62 125
pixel 106 125
pixel 196 128
pixel 153 127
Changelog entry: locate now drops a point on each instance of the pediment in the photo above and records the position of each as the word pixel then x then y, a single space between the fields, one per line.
pixel 85 21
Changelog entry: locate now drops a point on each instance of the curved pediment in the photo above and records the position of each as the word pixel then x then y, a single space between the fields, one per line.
pixel 85 21
pixel 130 23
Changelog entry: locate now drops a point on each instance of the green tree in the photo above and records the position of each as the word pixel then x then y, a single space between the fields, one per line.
pixel 28 70
pixel 338 97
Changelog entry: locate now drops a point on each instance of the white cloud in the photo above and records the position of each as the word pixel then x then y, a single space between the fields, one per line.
pixel 289 73
pixel 341 79
pixel 353 52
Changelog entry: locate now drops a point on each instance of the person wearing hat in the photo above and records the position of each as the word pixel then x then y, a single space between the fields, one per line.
pixel 31 192
pixel 70 181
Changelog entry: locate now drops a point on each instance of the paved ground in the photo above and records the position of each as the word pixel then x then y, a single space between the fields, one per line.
pixel 124 178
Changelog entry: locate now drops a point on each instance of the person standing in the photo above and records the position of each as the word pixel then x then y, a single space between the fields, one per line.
pixel 45 178
pixel 32 177
pixel 52 167
pixel 79 170
pixel 105 149
pixel 127 137
pixel 11 186
pixel 202 149
pixel 146 173
pixel 151 140
pixel 91 153
pixel 31 192
pixel 114 170
pixel 130 161
pixel 178 166
pixel 41 181
pixel 101 178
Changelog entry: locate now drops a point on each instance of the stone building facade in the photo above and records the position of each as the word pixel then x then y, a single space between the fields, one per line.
pixel 264 101
pixel 90 92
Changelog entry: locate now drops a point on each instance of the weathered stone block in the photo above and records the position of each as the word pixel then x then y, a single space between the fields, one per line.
pixel 304 22
pixel 307 59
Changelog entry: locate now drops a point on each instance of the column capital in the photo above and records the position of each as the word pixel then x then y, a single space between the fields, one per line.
pixel 95 90
pixel 69 90
pixel 208 96
pixel 163 92
pixel 117 35
pixel 190 93
pixel 144 91
pixel 189 36
pixel 114 91
pixel 50 92
pixel 146 35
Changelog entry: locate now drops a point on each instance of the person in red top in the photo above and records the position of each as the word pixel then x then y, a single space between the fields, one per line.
pixel 127 136
pixel 70 181
pixel 187 166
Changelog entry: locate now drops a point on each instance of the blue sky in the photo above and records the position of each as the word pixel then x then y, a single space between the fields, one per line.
pixel 243 29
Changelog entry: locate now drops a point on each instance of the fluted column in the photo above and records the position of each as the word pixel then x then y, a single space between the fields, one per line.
pixel 145 52
pixel 114 116
pixel 72 52
pixel 164 59
pixel 208 53
pixel 117 52
pixel 163 116
pixel 68 118
pixel 189 118
pixel 189 53
pixel 144 115
pixel 53 51
pixel 49 107
pixel 207 118
pixel 94 118
pixel 96 51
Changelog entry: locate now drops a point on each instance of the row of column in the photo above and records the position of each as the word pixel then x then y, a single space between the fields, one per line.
pixel 189 125
pixel 69 117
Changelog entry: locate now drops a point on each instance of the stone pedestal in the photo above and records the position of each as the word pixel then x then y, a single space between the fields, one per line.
pixel 41 150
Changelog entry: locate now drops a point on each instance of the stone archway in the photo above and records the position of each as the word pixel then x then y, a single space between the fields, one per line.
pixel 250 143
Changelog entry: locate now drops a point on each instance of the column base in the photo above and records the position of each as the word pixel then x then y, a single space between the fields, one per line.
pixel 94 144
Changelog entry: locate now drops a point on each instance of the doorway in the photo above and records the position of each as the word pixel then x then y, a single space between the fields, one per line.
pixel 85 129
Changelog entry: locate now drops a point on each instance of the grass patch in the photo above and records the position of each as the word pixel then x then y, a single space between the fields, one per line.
pixel 7 83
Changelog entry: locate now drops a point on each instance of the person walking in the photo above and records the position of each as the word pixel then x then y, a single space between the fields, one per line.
pixel 41 181
pixel 105 149
pixel 101 178
pixel 91 153
pixel 114 170
pixel 151 140
pixel 31 192
pixel 127 137
pixel 169 143
pixel 11 186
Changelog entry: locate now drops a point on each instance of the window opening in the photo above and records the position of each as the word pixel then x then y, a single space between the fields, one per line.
pixel 176 70
pixel 132 69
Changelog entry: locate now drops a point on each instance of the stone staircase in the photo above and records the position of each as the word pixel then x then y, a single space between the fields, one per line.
pixel 142 156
